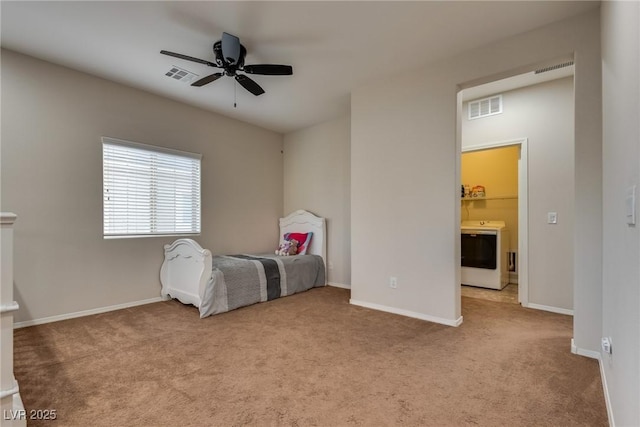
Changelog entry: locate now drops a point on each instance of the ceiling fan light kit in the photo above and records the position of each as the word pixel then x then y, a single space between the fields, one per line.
pixel 229 56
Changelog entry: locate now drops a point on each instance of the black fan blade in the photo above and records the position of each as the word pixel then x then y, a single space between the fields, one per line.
pixel 249 84
pixel 206 80
pixel 269 69
pixel 188 58
pixel 230 48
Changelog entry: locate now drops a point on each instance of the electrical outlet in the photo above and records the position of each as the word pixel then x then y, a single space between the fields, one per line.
pixel 606 345
pixel 393 282
pixel 330 265
pixel 552 217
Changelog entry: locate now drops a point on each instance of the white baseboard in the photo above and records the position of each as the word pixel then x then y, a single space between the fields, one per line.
pixel 583 352
pixel 407 313
pixel 338 285
pixel 549 308
pixel 598 356
pixel 607 398
pixel 83 313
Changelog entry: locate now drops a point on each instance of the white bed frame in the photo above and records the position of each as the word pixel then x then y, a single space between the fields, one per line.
pixel 187 267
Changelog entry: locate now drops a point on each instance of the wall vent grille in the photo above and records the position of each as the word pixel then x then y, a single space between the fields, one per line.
pixel 485 107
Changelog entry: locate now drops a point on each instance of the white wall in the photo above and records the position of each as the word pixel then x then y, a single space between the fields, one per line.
pixel 403 222
pixel 52 121
pixel 543 113
pixel 405 175
pixel 316 178
pixel 621 169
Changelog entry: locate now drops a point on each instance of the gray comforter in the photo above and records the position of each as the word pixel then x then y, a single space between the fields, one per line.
pixel 240 280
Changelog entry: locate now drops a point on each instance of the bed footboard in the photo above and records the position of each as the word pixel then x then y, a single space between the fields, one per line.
pixel 186 270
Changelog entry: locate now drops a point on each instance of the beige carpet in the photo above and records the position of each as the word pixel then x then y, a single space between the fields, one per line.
pixel 507 294
pixel 308 359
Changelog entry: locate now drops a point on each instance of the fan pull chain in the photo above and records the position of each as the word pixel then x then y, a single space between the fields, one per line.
pixel 235 84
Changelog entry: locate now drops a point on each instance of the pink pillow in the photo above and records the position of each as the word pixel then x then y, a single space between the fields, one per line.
pixel 303 240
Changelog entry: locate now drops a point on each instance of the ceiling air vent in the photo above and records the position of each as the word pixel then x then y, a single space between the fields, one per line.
pixel 554 67
pixel 485 107
pixel 181 74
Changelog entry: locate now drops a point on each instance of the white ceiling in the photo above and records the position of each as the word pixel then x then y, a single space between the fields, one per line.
pixel 332 46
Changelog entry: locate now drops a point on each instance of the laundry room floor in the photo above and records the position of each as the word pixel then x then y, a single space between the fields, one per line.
pixel 508 294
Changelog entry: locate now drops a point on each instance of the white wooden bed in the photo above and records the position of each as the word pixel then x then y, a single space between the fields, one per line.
pixel 188 272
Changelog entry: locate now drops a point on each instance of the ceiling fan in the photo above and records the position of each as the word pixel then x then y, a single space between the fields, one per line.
pixel 229 54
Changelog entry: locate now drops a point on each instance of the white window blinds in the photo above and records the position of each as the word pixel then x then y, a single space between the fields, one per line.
pixel 149 190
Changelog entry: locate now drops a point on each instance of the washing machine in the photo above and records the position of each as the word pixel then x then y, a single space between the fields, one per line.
pixel 484 251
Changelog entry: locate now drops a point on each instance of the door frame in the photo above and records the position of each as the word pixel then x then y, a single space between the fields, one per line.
pixel 523 209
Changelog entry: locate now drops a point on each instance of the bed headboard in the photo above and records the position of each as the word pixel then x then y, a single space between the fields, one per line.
pixel 302 221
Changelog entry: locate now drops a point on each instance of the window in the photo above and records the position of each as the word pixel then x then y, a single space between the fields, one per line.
pixel 149 191
pixel 485 107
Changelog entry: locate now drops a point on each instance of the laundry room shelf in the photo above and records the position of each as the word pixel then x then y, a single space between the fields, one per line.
pixel 471 199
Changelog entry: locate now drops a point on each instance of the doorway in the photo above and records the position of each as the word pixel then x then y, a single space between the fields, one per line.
pixel 539 118
pixel 502 166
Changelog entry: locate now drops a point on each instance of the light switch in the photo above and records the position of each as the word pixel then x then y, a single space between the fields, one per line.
pixel 630 205
pixel 552 217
